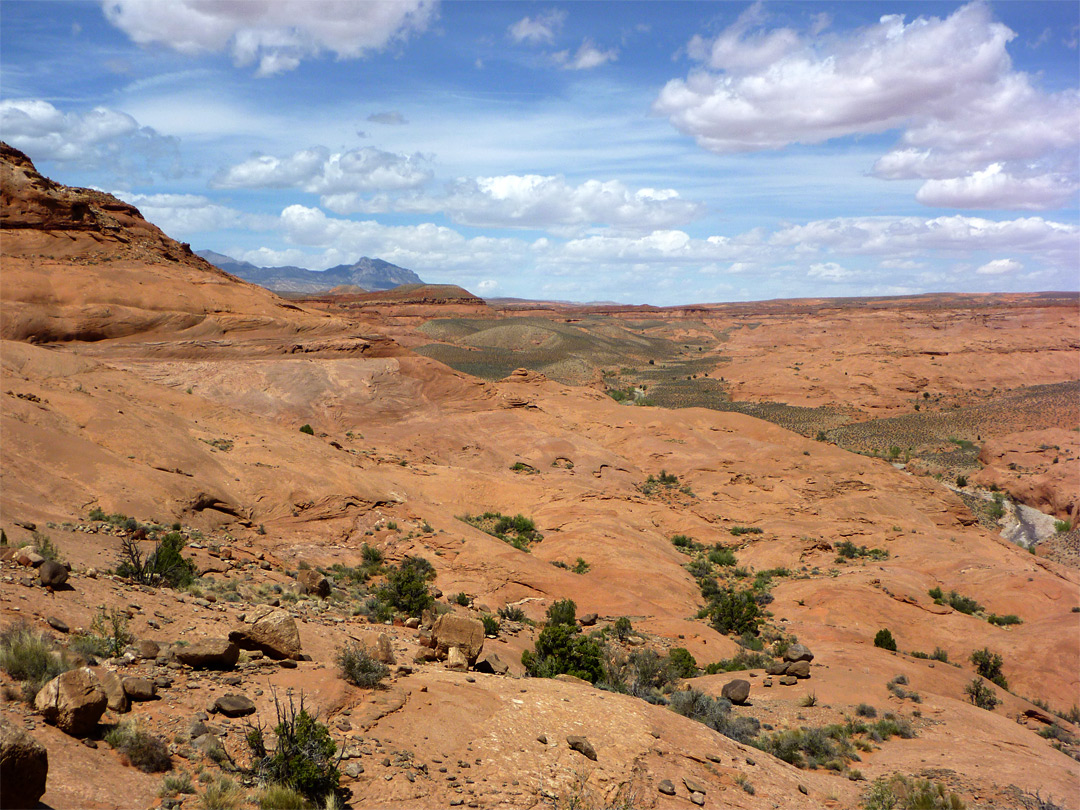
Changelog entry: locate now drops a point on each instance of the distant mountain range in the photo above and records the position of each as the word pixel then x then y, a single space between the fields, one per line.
pixel 371 274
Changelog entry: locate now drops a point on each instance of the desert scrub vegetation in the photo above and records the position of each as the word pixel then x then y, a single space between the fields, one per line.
pixel 981 695
pixel 884 639
pixel 165 565
pixel 898 792
pixel 405 590
pixel 715 713
pixel 988 664
pixel 491 625
pixel 519 531
pixel 221 794
pixel 742 660
pixel 833 746
pixel 303 757
pixel 896 686
pixel 30 656
pixel 175 784
pixel 579 567
pixel 359 667
pixel 665 482
pixel 107 637
pixel 846 550
pixel 956 601
pixel 512 613
pixel 1007 620
pixel 147 752
pixel 738 531
pixel 562 649
pixel 44 546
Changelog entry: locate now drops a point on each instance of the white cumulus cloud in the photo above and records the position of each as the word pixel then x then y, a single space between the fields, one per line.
pixel 274 35
pixel 185 214
pixel 539 29
pixel 539 201
pixel 319 171
pixel 587 56
pixel 948 83
pixel 999 267
pixel 95 137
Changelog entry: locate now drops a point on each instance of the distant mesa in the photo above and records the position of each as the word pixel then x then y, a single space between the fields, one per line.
pixel 366 274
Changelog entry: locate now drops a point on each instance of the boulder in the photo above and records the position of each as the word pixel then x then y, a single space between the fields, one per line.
pixel 492 664
pixel 269 629
pixel 59 625
pixel 452 630
pixel 147 648
pixel 24 767
pixel 52 574
pixel 776 668
pixel 28 557
pixel 698 799
pixel 582 746
pixel 313 582
pixel 588 620
pixel 800 669
pixel 456 660
pixel 788 680
pixel 383 651
pixel 210 746
pixel 737 691
pixel 113 688
pixel 693 785
pixel 139 689
pixel 210 653
pixel 234 705
pixel 798 652
pixel 73 702
pixel 666 788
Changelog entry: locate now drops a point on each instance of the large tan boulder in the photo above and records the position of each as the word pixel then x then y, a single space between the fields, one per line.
pixel 24 767
pixel 208 653
pixel 313 582
pixel 268 629
pixel 73 702
pixel 452 630
pixel 113 688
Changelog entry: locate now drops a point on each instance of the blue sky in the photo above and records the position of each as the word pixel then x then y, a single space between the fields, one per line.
pixel 640 152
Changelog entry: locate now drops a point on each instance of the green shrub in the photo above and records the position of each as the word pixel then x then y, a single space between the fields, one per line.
pixel 176 783
pixel 45 547
pixel 371 556
pixel 462 599
pixel 406 587
pixel 940 654
pixel 961 481
pixel 1061 526
pixel 865 710
pixel 1004 621
pixel 898 792
pixel 164 565
pixel 30 656
pixel 359 667
pixel 846 550
pixel 562 649
pixel 682 662
pixel 107 637
pixel 562 611
pixel 714 713
pixel 885 640
pixel 742 660
pixel 303 758
pixel 740 530
pixel 222 794
pixel 981 695
pixel 491 625
pixel 622 628
pixel 580 566
pixel 280 797
pixel 512 613
pixel 734 612
pixel 988 664
pixel 147 752
pixel 308 429
pixel 721 555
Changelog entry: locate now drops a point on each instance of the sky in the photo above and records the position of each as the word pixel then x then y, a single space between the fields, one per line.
pixel 637 152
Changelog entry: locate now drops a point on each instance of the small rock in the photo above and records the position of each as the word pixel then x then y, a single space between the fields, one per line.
pixel 542 739
pixel 57 625
pixel 139 688
pixel 698 799
pixel 767 682
pixel 582 746
pixel 412 622
pixel 800 669
pixel 210 653
pixel 353 770
pixel 588 620
pixel 737 691
pixel 383 651
pixel 788 680
pixel 666 788
pixel 314 582
pixel 693 786
pixel 113 688
pixel 492 664
pixel 456 660
pixel 234 705
pixel 776 668
pixel 803 790
pixel 147 648
pixel 798 652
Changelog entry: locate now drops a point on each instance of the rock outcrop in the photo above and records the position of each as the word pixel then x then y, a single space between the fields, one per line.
pixel 270 630
pixel 210 653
